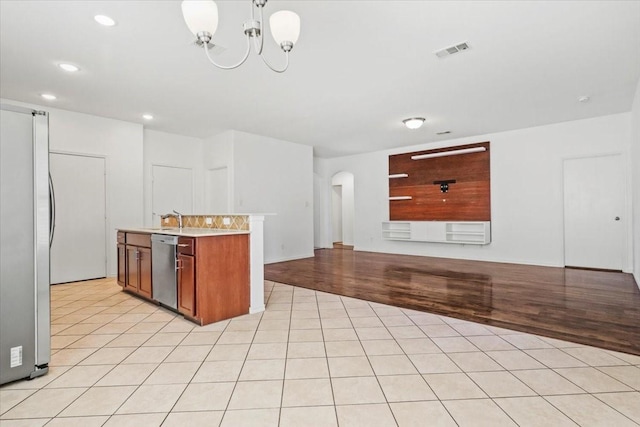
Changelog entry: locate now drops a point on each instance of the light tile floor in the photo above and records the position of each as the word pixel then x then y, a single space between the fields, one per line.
pixel 311 359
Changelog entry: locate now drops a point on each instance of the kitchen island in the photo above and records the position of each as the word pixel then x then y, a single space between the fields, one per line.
pixel 219 272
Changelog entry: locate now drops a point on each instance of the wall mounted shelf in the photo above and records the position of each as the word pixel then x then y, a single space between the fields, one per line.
pixel 442 184
pixel 461 232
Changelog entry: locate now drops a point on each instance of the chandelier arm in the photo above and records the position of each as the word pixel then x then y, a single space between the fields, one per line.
pixel 286 65
pixel 229 67
pixel 261 36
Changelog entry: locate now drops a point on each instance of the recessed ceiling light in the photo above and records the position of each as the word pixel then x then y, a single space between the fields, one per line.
pixel 147 116
pixel 414 122
pixel 48 96
pixel 69 67
pixel 104 20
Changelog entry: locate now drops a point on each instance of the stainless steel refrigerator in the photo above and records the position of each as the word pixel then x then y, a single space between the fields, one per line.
pixel 25 233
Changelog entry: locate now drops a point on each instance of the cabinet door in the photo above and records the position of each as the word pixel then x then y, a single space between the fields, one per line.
pixel 132 268
pixel 186 285
pixel 144 283
pixel 122 265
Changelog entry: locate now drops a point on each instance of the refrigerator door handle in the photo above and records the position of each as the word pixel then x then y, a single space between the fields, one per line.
pixel 52 211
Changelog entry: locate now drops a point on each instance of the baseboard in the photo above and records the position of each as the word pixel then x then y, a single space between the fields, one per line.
pixel 290 258
pixel 253 310
pixel 502 261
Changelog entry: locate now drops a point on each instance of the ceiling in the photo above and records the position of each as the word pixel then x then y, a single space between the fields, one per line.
pixel 359 68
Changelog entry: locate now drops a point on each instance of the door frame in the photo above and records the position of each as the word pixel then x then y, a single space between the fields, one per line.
pixel 107 217
pixel 627 264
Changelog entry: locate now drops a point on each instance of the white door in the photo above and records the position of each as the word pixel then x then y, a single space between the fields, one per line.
pixel 217 191
pixel 172 189
pixel 594 189
pixel 78 250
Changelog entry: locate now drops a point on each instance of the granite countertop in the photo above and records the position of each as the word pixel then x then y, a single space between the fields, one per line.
pixel 187 232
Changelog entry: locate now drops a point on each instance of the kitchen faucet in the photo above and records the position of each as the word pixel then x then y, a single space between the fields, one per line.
pixel 179 218
pixel 175 214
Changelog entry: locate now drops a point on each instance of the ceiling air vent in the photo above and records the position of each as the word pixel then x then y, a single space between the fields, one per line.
pixel 444 132
pixel 452 49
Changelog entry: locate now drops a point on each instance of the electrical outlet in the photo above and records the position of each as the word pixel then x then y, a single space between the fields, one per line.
pixel 16 356
pixel 226 220
pixel 209 221
pixel 166 220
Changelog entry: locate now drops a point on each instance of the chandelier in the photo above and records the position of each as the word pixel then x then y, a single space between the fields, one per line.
pixel 201 17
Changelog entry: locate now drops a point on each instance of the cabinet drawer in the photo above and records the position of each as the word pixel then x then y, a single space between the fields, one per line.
pixel 139 239
pixel 186 245
pixel 121 237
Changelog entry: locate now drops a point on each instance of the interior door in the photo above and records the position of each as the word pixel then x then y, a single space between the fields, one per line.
pixel 172 189
pixel 217 191
pixel 594 223
pixel 78 250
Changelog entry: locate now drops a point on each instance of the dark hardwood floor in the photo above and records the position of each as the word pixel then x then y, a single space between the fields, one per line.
pixel 589 307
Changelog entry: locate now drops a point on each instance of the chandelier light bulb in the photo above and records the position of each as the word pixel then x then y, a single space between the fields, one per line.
pixel 285 27
pixel 201 16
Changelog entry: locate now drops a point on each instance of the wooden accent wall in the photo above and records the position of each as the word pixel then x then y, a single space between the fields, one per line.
pixel 468 199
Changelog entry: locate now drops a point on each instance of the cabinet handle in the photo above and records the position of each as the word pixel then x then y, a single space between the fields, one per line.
pixel 183 245
pixel 178 264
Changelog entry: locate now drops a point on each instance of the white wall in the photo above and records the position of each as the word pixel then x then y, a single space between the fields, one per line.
pixel 166 149
pixel 218 153
pixel 526 191
pixel 275 176
pixel 121 144
pixel 635 169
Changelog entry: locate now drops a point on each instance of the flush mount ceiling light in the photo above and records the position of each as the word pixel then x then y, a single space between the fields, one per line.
pixel 147 116
pixel 201 16
pixel 69 67
pixel 104 20
pixel 414 122
pixel 48 96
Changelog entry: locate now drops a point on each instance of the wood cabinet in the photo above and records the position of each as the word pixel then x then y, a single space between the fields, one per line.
pixel 122 265
pixel 137 257
pixel 213 279
pixel 186 277
pixel 122 259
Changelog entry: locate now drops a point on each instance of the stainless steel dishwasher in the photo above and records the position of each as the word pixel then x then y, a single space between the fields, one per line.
pixel 163 270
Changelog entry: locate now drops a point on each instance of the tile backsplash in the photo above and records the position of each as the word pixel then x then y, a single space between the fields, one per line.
pixel 236 222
